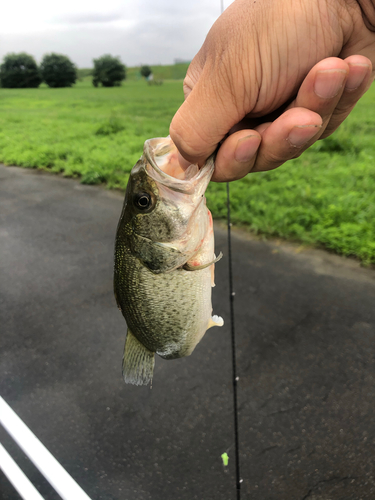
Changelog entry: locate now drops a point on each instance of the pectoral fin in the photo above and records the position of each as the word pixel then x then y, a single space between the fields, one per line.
pixel 138 362
pixel 190 267
pixel 158 257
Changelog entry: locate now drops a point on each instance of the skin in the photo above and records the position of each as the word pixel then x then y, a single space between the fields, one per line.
pixel 272 78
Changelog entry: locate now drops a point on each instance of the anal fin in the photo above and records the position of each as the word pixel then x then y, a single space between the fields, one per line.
pixel 215 321
pixel 138 362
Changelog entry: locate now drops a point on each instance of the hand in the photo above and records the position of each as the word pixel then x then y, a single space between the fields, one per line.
pixel 267 83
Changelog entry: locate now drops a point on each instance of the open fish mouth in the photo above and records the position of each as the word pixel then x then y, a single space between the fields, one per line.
pixel 163 166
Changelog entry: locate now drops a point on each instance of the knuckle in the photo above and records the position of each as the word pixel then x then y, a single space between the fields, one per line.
pixel 279 157
pixel 274 159
pixel 189 142
pixel 334 122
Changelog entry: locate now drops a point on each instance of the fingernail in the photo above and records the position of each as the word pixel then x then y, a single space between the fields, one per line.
pixel 329 82
pixel 246 148
pixel 356 76
pixel 301 134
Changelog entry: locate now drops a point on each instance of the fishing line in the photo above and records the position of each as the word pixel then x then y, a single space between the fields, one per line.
pixel 233 341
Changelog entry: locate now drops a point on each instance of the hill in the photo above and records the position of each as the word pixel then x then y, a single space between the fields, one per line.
pixel 160 72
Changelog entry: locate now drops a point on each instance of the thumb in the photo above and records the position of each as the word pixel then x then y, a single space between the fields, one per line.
pixel 205 118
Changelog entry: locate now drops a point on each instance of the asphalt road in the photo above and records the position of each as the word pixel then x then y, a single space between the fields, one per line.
pixel 305 323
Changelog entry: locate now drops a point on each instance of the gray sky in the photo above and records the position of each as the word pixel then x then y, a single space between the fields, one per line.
pixel 139 31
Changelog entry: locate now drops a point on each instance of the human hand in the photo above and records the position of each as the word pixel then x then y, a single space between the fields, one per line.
pixel 268 81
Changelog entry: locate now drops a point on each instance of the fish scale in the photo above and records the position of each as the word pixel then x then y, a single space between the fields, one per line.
pixel 167 309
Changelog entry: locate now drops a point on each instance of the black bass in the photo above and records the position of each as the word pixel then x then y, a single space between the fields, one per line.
pixel 164 260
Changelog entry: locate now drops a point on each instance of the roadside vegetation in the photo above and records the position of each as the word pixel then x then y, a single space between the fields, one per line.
pixel 326 197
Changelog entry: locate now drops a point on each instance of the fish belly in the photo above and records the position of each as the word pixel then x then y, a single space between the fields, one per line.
pixel 168 313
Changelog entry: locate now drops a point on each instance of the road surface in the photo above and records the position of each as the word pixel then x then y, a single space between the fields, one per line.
pixel 305 323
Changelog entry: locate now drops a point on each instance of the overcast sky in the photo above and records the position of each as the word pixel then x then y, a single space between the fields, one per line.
pixel 139 31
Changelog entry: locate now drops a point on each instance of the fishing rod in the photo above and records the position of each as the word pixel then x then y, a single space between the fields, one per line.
pixel 233 341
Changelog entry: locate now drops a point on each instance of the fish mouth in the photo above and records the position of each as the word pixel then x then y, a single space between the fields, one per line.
pixel 163 166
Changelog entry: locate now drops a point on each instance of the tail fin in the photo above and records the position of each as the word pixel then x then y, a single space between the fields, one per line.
pixel 138 362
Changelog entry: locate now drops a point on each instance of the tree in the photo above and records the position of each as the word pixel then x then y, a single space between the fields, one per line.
pixel 19 71
pixel 109 71
pixel 146 71
pixel 58 70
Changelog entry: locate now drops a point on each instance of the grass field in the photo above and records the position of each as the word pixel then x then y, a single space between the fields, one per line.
pixel 326 197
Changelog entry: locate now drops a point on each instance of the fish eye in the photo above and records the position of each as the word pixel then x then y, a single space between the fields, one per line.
pixel 142 201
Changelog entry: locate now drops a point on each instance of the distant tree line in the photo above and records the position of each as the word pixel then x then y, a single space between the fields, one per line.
pixel 56 70
pixel 108 71
pixel 146 71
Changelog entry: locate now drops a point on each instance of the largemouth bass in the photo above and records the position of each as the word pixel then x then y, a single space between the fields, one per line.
pixel 164 260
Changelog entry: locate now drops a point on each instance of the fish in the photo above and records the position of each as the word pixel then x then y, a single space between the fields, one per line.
pixel 164 260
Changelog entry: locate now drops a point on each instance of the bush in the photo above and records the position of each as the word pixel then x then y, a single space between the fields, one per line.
pixel 19 71
pixel 111 126
pixel 58 70
pixel 146 71
pixel 108 71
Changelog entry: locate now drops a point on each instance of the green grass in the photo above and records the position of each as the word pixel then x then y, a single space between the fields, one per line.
pixel 95 133
pixel 326 197
pixel 171 72
pixel 84 72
